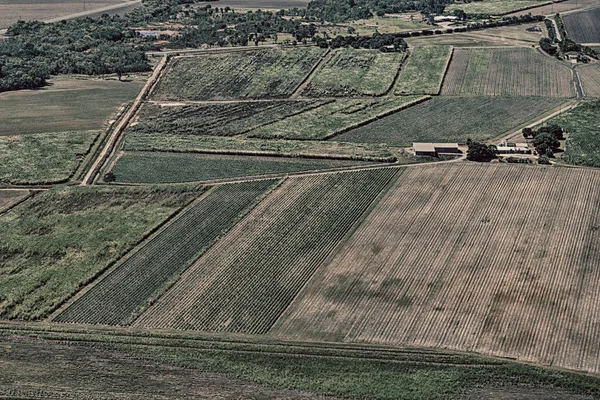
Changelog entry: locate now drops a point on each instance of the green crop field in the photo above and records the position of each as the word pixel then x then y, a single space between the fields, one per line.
pixel 58 241
pixel 506 72
pixel 443 119
pixel 495 7
pixel 158 167
pixel 246 280
pixel 582 127
pixel 333 118
pixel 43 157
pixel 217 119
pixel 145 275
pixel 424 71
pixel 251 74
pixel 70 103
pixel 589 75
pixel 583 26
pixel 351 72
pixel 259 147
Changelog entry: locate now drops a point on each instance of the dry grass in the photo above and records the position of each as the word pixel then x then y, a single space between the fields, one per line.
pixel 10 197
pixel 590 79
pixel 495 259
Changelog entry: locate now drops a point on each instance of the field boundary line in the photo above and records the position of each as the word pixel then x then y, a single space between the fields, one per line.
pixel 446 69
pixel 334 251
pixel 308 78
pixel 392 86
pixel 114 137
pixel 107 270
pixel 93 11
pixel 12 206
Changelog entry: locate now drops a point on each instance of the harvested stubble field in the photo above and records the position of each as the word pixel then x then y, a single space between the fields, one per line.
pixel 506 72
pixel 495 7
pixel 589 75
pixel 583 26
pixel 216 119
pixel 351 72
pixel 334 118
pixel 71 103
pixel 582 127
pixel 260 147
pixel 443 119
pixel 161 167
pixel 43 157
pixel 424 71
pixel 253 74
pixel 497 259
pixel 11 197
pixel 56 242
pixel 247 279
pixel 120 297
pixel 554 8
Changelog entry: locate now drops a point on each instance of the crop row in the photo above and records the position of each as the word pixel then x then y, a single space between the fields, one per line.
pixel 583 26
pixel 590 79
pixel 424 71
pixel 145 274
pixel 250 276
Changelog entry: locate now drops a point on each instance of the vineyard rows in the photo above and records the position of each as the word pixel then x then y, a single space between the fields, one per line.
pixel 142 277
pixel 249 74
pixel 424 71
pixel 351 72
pixel 590 79
pixel 217 119
pixel 497 259
pixel 506 72
pixel 245 281
pixel 584 26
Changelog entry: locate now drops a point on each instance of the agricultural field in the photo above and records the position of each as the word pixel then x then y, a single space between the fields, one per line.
pixel 58 241
pixel 559 7
pixel 506 72
pixel 259 4
pixel 120 297
pixel 442 119
pixel 10 197
pixel 29 10
pixel 70 103
pixel 492 258
pixel 259 147
pixel 248 278
pixel 424 71
pixel 589 76
pixel 582 127
pixel 253 74
pixel 351 72
pixel 334 118
pixel 495 7
pixel 216 119
pixel 43 157
pixel 583 26
pixel 160 167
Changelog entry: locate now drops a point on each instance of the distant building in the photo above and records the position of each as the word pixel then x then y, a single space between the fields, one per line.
pixel 445 18
pixel 433 149
pixel 513 148
pixel 572 55
pixel 534 29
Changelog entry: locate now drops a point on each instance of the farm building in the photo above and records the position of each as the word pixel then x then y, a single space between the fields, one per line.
pixel 433 149
pixel 445 18
pixel 513 148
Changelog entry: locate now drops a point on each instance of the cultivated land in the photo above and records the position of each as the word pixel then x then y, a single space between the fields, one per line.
pixel 158 167
pixel 217 119
pixel 494 7
pixel 247 279
pixel 424 71
pixel 503 274
pixel 10 197
pixel 70 104
pixel 583 134
pixel 506 72
pixel 350 72
pixel 253 74
pixel 560 7
pixel 334 118
pixel 43 157
pixel 57 242
pixel 583 26
pixel 589 76
pixel 147 273
pixel 442 119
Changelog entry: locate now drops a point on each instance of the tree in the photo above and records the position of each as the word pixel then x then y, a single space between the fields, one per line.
pixel 109 177
pixel 527 133
pixel 478 151
pixel 546 144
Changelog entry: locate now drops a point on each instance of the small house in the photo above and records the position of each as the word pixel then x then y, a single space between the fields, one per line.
pixel 434 149
pixel 513 148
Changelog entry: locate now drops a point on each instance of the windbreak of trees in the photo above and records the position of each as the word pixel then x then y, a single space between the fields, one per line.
pixel 546 139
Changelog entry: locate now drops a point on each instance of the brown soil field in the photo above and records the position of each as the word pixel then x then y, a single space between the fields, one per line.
pixel 498 259
pixel 590 79
pixel 557 7
pixel 259 4
pixel 10 197
pixel 27 10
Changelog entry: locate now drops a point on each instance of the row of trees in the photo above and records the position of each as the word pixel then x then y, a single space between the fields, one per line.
pixel 557 48
pixel 545 139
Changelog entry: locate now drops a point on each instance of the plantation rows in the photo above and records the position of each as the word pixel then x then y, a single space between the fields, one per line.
pixel 217 119
pixel 424 71
pixel 495 259
pixel 506 72
pixel 248 74
pixel 143 276
pixel 590 79
pixel 245 281
pixel 584 26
